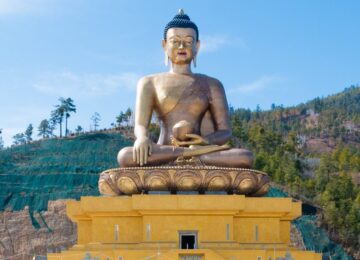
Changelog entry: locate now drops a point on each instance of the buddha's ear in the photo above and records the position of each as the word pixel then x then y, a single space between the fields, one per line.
pixel 163 43
pixel 197 46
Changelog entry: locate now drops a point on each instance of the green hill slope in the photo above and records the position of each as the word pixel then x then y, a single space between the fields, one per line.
pixel 35 173
pixel 313 150
pixel 47 170
pixel 336 116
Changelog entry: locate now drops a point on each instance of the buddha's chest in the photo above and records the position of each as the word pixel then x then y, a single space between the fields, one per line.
pixel 184 99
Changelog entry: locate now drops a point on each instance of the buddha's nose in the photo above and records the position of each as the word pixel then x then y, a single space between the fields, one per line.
pixel 181 46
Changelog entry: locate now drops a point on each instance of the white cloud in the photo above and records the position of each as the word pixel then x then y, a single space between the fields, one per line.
pixel 86 85
pixel 258 84
pixel 212 43
pixel 22 6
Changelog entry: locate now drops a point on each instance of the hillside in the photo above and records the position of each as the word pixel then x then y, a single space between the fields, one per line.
pixel 327 120
pixel 37 177
pixel 35 173
pixel 313 151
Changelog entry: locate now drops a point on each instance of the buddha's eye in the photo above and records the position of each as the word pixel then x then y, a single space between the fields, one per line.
pixel 175 42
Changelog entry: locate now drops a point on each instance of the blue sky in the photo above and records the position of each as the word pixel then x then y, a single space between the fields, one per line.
pixel 283 52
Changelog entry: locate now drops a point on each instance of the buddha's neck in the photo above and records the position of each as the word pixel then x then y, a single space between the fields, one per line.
pixel 181 68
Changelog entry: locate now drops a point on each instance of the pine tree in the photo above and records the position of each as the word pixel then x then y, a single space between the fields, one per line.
pixel 95 118
pixel 322 174
pixel 69 107
pixel 128 114
pixel 45 130
pixel 19 139
pixel 78 129
pixel 57 117
pixel 1 141
pixel 28 133
pixel 120 118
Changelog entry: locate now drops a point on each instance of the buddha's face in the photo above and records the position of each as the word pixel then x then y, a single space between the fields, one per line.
pixel 181 45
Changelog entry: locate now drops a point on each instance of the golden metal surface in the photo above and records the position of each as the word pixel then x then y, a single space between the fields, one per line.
pixel 192 108
pixel 195 127
pixel 135 180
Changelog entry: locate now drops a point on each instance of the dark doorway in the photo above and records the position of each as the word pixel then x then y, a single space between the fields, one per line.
pixel 308 209
pixel 188 240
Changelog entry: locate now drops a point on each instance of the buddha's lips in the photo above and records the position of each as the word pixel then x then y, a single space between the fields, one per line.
pixel 182 53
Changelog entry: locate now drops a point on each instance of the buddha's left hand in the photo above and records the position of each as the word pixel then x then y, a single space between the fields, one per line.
pixel 194 139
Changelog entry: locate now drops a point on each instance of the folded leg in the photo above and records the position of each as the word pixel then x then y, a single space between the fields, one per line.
pixel 235 158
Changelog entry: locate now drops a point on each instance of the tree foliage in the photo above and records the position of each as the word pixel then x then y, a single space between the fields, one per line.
pixel 62 111
pixel 57 116
pixel 44 129
pixel 1 141
pixel 124 117
pixel 28 133
pixel 19 139
pixel 69 107
pixel 78 129
pixel 96 118
pixel 277 139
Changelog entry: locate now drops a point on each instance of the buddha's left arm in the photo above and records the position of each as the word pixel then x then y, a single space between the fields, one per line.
pixel 219 110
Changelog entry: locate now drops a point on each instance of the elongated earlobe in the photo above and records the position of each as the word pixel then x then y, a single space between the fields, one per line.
pixel 166 61
pixel 194 61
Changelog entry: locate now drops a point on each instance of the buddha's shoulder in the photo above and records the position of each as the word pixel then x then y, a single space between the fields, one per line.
pixel 150 79
pixel 157 75
pixel 146 79
pixel 211 81
pixel 146 82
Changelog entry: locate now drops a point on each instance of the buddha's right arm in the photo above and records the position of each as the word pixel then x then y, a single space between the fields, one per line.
pixel 144 106
pixel 143 111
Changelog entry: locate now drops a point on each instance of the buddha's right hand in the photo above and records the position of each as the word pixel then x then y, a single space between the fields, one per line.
pixel 142 149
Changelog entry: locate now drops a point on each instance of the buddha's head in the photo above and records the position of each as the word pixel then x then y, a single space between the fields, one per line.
pixel 181 40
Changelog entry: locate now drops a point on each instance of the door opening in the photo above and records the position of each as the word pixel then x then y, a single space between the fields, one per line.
pixel 188 240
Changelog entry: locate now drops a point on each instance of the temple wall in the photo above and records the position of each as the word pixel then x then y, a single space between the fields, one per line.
pixel 224 227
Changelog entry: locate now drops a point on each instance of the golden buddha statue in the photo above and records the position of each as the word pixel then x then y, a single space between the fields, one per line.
pixel 192 108
pixel 191 153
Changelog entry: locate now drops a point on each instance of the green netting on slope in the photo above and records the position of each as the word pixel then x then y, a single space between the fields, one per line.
pixel 35 191
pixel 317 239
pixel 33 174
pixel 276 193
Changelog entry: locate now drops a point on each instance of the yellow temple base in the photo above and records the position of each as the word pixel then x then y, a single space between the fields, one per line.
pixel 183 227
